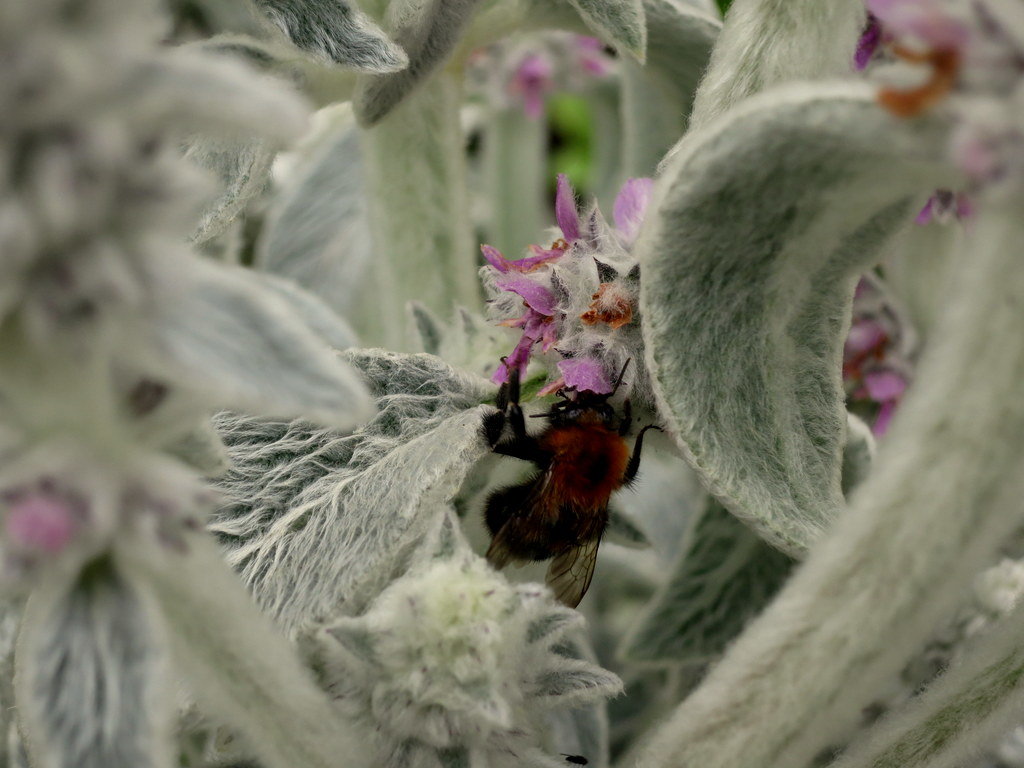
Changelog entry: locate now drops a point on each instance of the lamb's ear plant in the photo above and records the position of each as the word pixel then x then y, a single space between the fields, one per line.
pixel 250 365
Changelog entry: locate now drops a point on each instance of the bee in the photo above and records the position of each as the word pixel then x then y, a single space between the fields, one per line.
pixel 561 512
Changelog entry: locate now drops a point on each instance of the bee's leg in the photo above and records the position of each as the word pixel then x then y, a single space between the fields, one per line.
pixel 526 448
pixel 493 426
pixel 627 418
pixel 634 461
pixel 494 423
pixel 515 413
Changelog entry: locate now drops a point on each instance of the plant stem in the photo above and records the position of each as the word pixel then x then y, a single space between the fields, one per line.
pixel 415 171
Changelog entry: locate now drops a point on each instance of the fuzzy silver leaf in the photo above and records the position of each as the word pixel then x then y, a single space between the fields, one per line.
pixel 318 521
pixel 749 257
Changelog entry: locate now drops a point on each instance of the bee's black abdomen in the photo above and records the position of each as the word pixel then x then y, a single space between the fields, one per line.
pixel 504 503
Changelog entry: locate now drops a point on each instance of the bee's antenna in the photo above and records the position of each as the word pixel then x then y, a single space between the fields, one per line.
pixel 618 379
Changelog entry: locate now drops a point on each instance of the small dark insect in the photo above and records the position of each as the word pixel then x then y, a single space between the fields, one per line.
pixel 561 511
pixel 577 759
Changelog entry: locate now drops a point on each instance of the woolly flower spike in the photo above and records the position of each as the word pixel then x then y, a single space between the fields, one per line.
pixel 524 74
pixel 877 355
pixel 971 56
pixel 576 301
pixel 452 665
pixel 60 507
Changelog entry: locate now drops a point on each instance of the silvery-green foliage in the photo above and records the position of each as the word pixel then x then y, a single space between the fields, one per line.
pixel 253 348
pixel 620 22
pixel 724 576
pixel 336 30
pixel 236 663
pixel 320 318
pixel 428 30
pixel 241 165
pixel 770 42
pixel 92 684
pixel 318 521
pixel 858 453
pixel 467 341
pixel 657 98
pixel 451 658
pixel 749 256
pixel 895 564
pixel 317 230
pixel 918 268
pixel 415 167
pixel 973 703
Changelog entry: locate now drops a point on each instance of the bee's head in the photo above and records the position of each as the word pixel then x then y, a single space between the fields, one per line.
pixel 582 407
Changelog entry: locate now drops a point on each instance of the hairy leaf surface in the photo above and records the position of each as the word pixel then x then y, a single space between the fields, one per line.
pixel 749 257
pixel 92 687
pixel 320 521
pixel 243 345
pixel 336 30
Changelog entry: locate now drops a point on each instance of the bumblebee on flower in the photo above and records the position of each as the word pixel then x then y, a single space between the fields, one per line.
pixel 575 301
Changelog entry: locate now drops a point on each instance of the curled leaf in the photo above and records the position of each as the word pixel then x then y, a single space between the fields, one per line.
pixel 749 257
pixel 898 561
pixel 336 30
pixel 428 31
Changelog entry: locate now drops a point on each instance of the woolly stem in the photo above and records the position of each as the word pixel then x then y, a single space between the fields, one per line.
pixel 516 155
pixel 653 119
pixel 945 491
pixel 973 703
pixel 415 172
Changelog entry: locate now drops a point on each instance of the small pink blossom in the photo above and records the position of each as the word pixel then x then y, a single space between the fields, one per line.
pixel 870 40
pixel 927 21
pixel 532 82
pixel 495 258
pixel 566 215
pixel 41 522
pixel 584 374
pixel 534 295
pixel 631 206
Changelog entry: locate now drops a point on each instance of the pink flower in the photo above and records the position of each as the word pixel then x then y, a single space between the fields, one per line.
pixel 868 44
pixel 566 215
pixel 631 206
pixel 578 297
pixel 41 522
pixel 532 82
pixel 927 21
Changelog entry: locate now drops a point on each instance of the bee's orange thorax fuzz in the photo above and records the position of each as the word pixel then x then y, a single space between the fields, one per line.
pixel 588 464
pixel 945 65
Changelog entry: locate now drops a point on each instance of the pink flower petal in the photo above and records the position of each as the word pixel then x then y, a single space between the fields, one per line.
pixel 41 522
pixel 630 206
pixel 884 385
pixel 495 258
pixel 865 336
pixel 583 373
pixel 536 296
pixel 520 358
pixel 881 425
pixel 565 209
pixel 927 20
pixel 869 41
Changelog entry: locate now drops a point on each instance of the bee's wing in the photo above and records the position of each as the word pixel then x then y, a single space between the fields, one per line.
pixel 516 505
pixel 570 573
